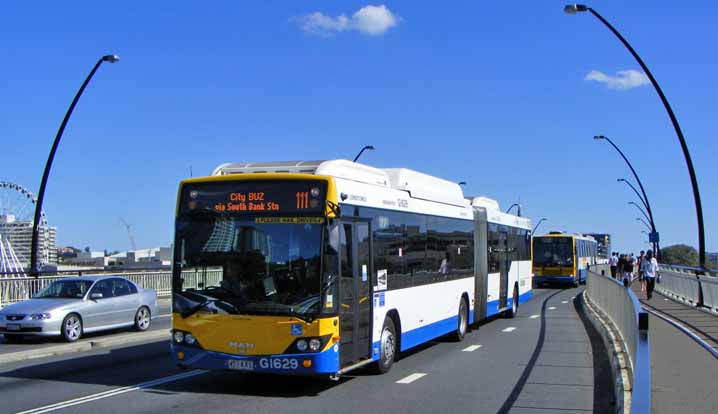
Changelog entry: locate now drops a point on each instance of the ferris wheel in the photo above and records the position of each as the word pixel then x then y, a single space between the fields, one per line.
pixel 17 210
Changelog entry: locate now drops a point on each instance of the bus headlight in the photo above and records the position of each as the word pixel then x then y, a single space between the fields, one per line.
pixel 178 337
pixel 190 339
pixel 302 345
pixel 315 344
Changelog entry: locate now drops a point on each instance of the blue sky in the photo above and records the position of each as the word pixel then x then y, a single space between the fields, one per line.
pixel 478 92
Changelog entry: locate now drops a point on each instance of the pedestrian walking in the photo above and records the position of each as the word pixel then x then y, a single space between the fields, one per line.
pixel 640 274
pixel 649 269
pixel 620 266
pixel 628 270
pixel 613 262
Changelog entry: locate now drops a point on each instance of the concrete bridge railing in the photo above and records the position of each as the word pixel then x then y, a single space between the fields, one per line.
pixel 687 285
pixel 629 322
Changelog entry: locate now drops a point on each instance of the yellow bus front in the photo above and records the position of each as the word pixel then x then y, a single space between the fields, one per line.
pixel 554 259
pixel 251 291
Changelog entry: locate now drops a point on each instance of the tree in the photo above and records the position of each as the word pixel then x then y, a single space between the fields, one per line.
pixel 680 254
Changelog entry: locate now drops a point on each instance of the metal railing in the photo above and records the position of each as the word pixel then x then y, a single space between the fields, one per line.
pixel 691 285
pixel 16 289
pixel 624 310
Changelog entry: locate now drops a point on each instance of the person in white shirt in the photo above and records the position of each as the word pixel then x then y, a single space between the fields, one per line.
pixel 649 270
pixel 613 262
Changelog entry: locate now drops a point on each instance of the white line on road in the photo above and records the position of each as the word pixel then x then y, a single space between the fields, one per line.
pixel 534 316
pixel 112 393
pixel 471 348
pixel 166 315
pixel 564 301
pixel 552 307
pixel 411 378
pixel 509 329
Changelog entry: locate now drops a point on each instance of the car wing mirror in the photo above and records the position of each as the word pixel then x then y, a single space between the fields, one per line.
pixel 95 296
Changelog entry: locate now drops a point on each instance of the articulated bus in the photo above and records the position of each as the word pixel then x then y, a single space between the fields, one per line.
pixel 563 258
pixel 317 268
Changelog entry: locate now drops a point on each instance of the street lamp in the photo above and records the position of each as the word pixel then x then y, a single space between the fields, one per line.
pixel 573 9
pixel 656 247
pixel 644 222
pixel 34 271
pixel 537 224
pixel 515 205
pixel 640 209
pixel 368 147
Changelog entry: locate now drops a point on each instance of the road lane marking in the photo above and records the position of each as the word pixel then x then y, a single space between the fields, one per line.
pixel 509 329
pixel 112 393
pixel 564 301
pixel 166 315
pixel 411 378
pixel 552 307
pixel 471 348
pixel 534 316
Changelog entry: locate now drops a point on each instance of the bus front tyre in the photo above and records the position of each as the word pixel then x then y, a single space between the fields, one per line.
pixel 514 305
pixel 387 347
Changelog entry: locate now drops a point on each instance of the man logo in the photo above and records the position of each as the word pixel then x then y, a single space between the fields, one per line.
pixel 242 347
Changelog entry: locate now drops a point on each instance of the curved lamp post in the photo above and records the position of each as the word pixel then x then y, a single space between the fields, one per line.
pixel 537 224
pixel 656 247
pixel 517 205
pixel 640 209
pixel 644 222
pixel 368 147
pixel 573 9
pixel 34 271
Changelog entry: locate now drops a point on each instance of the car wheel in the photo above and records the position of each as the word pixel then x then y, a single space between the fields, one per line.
pixel 71 328
pixel 387 347
pixel 463 324
pixel 514 305
pixel 142 319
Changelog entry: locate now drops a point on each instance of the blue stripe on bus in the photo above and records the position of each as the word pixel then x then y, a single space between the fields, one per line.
pixel 559 279
pixel 492 308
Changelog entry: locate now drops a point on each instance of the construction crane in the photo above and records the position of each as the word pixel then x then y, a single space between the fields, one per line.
pixel 128 226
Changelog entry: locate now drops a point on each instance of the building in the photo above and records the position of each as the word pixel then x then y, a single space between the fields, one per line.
pixel 153 258
pixel 18 235
pixel 604 244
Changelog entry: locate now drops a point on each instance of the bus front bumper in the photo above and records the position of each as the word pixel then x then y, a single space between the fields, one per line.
pixel 326 362
pixel 554 279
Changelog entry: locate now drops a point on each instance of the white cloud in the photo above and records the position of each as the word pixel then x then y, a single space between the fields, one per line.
pixel 624 79
pixel 369 20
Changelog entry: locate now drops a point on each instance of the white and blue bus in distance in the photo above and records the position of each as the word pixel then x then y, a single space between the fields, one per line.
pixel 320 267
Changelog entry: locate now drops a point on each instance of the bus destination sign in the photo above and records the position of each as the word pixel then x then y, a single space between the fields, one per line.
pixel 256 197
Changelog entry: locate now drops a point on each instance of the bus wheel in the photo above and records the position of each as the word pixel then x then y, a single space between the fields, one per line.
pixel 463 324
pixel 514 305
pixel 388 348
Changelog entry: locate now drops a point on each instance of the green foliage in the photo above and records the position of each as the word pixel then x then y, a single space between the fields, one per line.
pixel 679 254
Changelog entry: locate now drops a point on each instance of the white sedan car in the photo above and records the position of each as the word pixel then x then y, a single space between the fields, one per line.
pixel 73 306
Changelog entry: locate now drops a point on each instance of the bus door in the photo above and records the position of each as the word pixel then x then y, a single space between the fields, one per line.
pixel 355 292
pixel 504 266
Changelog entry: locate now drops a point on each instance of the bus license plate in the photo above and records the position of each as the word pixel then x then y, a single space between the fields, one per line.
pixel 240 364
pixel 13 327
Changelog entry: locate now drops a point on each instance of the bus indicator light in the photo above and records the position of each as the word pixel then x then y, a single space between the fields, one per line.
pixel 307 363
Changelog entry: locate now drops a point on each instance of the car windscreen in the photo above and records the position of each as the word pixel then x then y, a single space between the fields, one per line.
pixel 65 289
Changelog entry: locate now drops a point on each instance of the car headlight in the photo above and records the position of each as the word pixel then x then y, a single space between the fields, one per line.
pixel 40 316
pixel 315 344
pixel 189 339
pixel 178 337
pixel 302 345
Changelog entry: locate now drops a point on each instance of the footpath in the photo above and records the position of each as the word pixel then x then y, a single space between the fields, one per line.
pixel 683 372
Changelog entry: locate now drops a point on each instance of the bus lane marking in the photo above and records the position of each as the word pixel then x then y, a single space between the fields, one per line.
pixel 564 301
pixel 471 348
pixel 552 307
pixel 509 329
pixel 534 316
pixel 411 378
pixel 112 393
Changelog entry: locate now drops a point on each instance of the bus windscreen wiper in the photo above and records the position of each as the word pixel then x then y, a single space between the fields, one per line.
pixel 194 309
